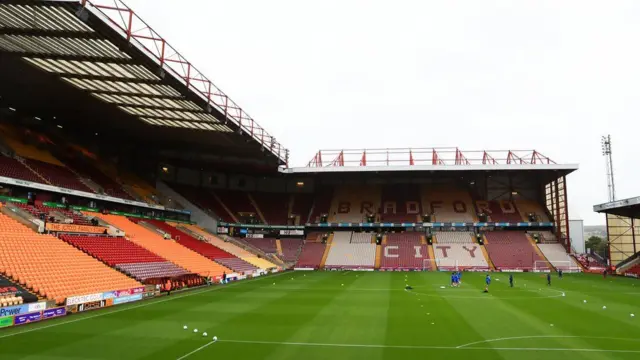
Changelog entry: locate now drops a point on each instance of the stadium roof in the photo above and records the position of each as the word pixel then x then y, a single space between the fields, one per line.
pixel 627 207
pixel 432 160
pixel 110 54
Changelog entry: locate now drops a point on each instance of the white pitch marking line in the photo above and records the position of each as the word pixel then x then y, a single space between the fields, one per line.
pixel 196 292
pixel 420 347
pixel 196 350
pixel 544 337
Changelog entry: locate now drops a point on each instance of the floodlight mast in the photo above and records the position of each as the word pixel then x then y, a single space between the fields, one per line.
pixel 607 153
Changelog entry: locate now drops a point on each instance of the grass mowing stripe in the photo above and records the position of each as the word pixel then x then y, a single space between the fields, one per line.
pixel 126 308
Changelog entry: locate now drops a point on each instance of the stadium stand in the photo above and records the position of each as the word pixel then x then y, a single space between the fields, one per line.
pixel 558 256
pixel 58 175
pixel 401 203
pixel 108 185
pixel 459 256
pixel 353 203
pixel 206 201
pixel 125 256
pixel 301 208
pixel 454 237
pixel 204 248
pixel 21 142
pixel 231 248
pixel 499 211
pixel 511 250
pixel 39 209
pixel 237 202
pixel 344 254
pixel 361 238
pixel 321 204
pixel 547 237
pixel 634 271
pixel 448 204
pixel 404 251
pixel 311 255
pixel 51 267
pixel 170 250
pixel 12 168
pixel 267 245
pixel 273 206
pixel 14 294
pixel 314 236
pixel 291 249
pixel 527 207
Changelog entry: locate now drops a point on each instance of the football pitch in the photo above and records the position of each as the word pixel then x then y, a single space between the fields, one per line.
pixel 356 315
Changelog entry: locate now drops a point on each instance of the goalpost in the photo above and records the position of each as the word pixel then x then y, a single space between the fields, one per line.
pixel 567 266
pixel 429 264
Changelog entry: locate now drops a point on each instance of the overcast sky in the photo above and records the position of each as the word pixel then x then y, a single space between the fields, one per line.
pixel 547 75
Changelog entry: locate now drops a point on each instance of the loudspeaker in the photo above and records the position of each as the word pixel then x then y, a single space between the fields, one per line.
pixel 429 239
pixel 482 217
pixel 480 239
pixel 532 217
pixel 324 218
pixel 426 218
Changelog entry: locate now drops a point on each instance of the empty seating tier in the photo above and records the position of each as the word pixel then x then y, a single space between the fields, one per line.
pixel 12 168
pixel 499 211
pixel 109 186
pixel 454 237
pixel 401 203
pixel 404 254
pixel 409 238
pixel 51 267
pixel 458 256
pixel 361 238
pixel 231 248
pixel 348 256
pixel 447 204
pixel 352 204
pixel 290 249
pixel 512 250
pixel 273 206
pixel 112 250
pixel 170 250
pixel 311 255
pixel 58 175
pixel 265 244
pixel 237 264
pixel 152 270
pixel 558 257
pixel 527 207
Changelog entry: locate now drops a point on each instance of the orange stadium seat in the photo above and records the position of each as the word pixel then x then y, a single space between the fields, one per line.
pixel 167 249
pixel 51 267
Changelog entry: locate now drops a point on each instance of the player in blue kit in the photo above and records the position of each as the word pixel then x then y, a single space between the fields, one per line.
pixel 454 280
pixel 487 281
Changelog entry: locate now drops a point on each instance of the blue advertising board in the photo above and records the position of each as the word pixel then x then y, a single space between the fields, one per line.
pixel 51 313
pixel 27 318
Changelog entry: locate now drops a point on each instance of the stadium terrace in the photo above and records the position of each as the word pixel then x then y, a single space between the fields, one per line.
pixel 140 205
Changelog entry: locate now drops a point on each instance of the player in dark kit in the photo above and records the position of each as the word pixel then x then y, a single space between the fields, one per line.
pixel 548 279
pixel 511 280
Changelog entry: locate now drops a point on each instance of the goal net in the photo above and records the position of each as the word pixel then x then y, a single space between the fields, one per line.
pixel 567 266
pixel 437 264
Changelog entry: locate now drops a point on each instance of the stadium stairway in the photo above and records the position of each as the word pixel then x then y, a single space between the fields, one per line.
pixel 378 256
pixel 168 249
pixel 51 267
pixel 327 249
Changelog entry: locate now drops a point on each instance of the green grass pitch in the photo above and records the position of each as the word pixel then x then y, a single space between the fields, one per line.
pixel 356 315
